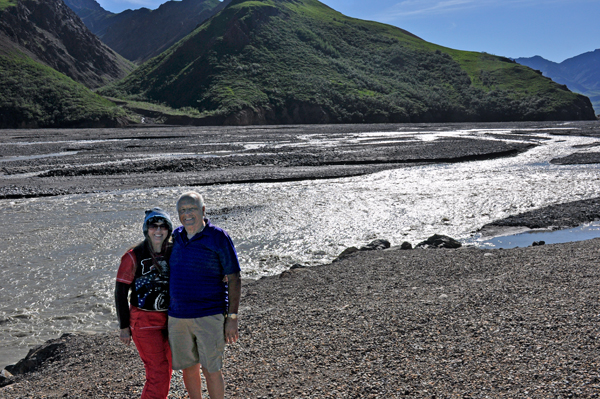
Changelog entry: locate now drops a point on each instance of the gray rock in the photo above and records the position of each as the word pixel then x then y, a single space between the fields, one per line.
pixel 36 357
pixel 295 269
pixel 4 381
pixel 406 245
pixel 439 241
pixel 374 245
pixel 346 252
pixel 378 244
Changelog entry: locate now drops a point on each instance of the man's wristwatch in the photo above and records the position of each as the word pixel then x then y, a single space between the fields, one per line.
pixel 232 316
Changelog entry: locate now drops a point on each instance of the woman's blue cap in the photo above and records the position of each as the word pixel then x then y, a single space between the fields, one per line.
pixel 155 214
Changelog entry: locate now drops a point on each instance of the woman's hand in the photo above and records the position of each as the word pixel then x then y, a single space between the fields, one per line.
pixel 125 336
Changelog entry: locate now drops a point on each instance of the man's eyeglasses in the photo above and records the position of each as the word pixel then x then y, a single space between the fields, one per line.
pixel 155 226
pixel 184 210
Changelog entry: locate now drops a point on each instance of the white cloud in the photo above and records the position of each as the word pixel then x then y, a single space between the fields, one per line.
pixel 426 7
pixel 413 8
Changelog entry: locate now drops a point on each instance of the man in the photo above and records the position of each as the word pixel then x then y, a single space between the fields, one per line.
pixel 205 288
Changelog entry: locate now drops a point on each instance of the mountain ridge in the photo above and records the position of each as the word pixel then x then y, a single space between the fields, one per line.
pixel 580 73
pixel 141 34
pixel 299 61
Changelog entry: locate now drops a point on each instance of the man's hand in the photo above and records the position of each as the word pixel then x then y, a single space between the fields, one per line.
pixel 231 330
pixel 125 335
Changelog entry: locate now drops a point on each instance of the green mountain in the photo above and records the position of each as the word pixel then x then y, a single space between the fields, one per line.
pixel 580 74
pixel 34 95
pixel 139 35
pixel 299 61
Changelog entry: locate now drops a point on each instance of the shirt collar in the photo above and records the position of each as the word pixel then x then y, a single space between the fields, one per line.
pixel 184 236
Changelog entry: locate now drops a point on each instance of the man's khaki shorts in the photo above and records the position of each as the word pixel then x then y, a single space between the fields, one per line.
pixel 200 340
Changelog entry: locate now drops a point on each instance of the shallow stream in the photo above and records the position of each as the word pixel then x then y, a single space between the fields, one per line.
pixel 60 254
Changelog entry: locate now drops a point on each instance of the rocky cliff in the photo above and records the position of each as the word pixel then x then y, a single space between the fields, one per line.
pixel 51 33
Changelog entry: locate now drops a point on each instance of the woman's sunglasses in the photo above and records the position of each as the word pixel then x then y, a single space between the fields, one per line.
pixel 155 226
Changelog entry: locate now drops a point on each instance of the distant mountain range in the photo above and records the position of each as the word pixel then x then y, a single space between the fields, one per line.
pixel 581 74
pixel 139 35
pixel 299 61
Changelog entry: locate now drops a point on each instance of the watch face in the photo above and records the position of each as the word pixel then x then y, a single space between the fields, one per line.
pixel 232 315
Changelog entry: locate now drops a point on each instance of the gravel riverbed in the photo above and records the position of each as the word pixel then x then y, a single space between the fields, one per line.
pixel 48 162
pixel 468 323
pixel 519 323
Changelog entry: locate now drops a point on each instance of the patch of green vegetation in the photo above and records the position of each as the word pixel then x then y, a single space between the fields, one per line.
pixel 4 4
pixel 34 95
pixel 275 57
pixel 251 4
pixel 367 93
pixel 137 106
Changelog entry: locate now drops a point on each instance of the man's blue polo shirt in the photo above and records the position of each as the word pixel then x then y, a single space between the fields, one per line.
pixel 197 268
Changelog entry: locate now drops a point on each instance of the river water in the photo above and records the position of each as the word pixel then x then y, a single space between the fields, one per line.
pixel 60 254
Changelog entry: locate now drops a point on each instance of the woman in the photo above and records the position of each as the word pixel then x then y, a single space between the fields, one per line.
pixel 144 271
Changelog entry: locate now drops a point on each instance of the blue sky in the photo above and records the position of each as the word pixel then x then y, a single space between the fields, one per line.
pixel 553 29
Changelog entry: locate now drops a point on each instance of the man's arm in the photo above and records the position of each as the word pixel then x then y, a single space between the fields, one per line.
pixel 234 283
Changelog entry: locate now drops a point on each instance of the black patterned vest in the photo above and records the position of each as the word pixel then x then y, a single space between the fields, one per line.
pixel 150 289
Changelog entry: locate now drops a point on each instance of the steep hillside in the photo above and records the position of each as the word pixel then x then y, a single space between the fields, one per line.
pixel 92 14
pixel 139 35
pixel 51 33
pixel 299 61
pixel 581 73
pixel 34 95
